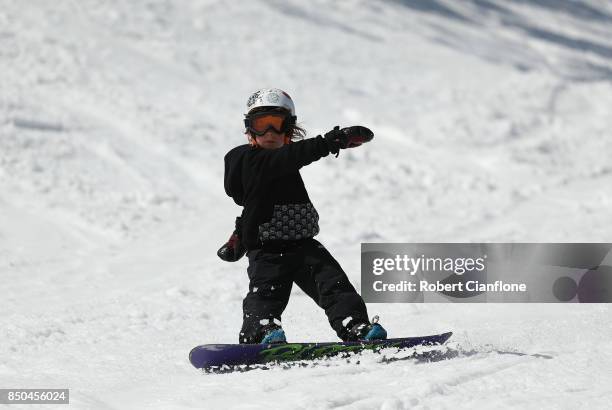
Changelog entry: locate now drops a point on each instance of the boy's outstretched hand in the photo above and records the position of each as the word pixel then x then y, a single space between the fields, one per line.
pixel 349 137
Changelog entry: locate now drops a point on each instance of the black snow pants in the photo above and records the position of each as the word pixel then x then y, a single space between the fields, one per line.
pixel 272 271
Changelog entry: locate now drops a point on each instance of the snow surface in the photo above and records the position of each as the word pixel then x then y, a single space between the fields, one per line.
pixel 492 122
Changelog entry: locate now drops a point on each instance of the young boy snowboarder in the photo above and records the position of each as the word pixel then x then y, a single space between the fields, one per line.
pixel 278 223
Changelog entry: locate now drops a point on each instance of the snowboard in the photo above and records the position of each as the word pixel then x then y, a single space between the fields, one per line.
pixel 216 356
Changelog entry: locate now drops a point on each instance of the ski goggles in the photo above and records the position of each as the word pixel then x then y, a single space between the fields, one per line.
pixel 260 123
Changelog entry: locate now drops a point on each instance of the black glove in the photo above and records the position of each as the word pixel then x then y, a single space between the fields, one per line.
pixel 233 249
pixel 349 137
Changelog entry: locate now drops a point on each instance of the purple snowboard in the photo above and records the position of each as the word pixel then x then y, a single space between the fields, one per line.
pixel 220 355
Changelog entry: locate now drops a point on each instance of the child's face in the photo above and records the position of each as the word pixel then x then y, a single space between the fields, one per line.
pixel 270 140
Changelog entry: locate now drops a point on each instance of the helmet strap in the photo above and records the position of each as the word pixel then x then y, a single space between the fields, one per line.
pixel 251 139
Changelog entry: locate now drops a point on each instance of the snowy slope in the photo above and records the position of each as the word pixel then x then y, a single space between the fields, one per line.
pixel 492 123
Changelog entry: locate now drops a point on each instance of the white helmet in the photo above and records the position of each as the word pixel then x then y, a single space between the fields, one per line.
pixel 270 97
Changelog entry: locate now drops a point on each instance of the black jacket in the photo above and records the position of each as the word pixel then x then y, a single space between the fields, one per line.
pixel 267 183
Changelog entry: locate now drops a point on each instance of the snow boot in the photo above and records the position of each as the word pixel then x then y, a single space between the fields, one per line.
pixel 368 331
pixel 273 333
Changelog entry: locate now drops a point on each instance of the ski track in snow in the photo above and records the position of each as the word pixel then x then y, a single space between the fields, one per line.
pixel 492 123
